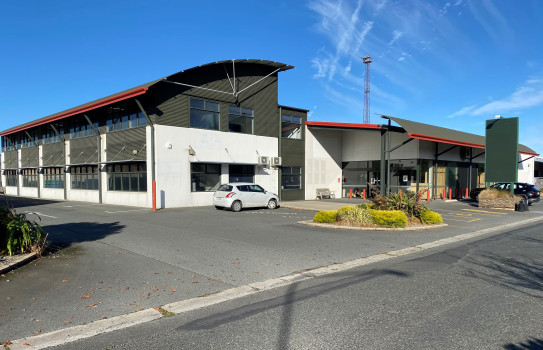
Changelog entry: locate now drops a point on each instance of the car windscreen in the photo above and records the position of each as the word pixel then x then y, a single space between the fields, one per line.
pixel 225 188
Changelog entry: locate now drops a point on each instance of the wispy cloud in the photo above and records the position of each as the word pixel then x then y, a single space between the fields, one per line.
pixel 395 36
pixel 529 94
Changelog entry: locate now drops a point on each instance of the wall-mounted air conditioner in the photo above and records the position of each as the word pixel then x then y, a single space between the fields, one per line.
pixel 276 161
pixel 262 160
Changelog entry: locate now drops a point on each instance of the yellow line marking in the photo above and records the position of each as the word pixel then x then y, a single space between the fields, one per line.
pixel 484 211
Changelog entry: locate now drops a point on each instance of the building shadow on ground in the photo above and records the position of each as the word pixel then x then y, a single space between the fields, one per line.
pixel 67 234
pixel 530 344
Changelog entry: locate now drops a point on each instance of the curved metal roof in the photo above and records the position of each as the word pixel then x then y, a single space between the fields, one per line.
pixel 133 92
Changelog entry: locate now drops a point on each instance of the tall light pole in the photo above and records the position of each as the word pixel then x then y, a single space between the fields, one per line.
pixel 367 61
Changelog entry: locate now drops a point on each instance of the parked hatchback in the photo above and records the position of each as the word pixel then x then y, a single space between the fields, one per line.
pixel 238 195
pixel 527 191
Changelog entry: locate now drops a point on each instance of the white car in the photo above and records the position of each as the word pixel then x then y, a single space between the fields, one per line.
pixel 240 195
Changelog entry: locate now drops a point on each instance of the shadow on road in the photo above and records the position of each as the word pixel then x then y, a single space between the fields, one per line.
pixel 286 302
pixel 66 234
pixel 525 276
pixel 530 344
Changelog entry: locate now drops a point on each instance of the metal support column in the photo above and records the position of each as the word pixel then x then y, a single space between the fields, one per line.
pixel 152 148
pixel 99 151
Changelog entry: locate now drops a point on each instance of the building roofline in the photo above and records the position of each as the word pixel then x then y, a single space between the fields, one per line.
pixel 344 125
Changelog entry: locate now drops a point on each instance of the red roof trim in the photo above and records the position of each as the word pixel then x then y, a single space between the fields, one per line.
pixel 529 153
pixel 78 110
pixel 443 140
pixel 344 125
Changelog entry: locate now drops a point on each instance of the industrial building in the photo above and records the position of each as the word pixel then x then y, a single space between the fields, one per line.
pixel 172 142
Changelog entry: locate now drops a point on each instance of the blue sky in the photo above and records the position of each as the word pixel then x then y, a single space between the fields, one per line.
pixel 447 63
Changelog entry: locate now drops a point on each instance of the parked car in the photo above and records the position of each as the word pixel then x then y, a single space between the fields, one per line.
pixel 236 196
pixel 525 190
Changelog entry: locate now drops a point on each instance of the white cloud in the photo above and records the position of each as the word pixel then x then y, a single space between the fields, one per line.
pixel 395 36
pixel 530 94
pixel 526 96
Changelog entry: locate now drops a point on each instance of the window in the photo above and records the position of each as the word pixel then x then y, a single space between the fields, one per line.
pixel 11 177
pixel 240 119
pixel 291 127
pixel 84 129
pixel 50 136
pixel 205 177
pixel 84 177
pixel 291 177
pixel 125 121
pixel 242 173
pixel 30 177
pixel 53 177
pixel 204 114
pixel 130 177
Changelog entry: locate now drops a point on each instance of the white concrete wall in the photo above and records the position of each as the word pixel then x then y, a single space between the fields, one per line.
pixel 323 161
pixel 210 146
pixel 526 169
pixel 427 151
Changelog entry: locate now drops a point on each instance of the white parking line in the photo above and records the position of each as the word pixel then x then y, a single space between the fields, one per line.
pixel 125 211
pixel 40 214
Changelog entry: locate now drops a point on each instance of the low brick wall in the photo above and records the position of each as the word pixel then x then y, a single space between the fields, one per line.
pixel 507 203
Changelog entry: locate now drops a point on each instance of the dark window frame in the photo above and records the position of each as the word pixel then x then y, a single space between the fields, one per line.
pixel 288 122
pixel 84 177
pixel 289 174
pixel 205 177
pixel 206 109
pixel 127 177
pixel 241 113
pixel 54 177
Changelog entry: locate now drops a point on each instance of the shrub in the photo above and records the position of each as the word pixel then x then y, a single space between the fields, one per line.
pixel 380 202
pixel 356 216
pixel 389 218
pixel 492 193
pixel 429 217
pixel 18 234
pixel 364 206
pixel 406 202
pixel 345 209
pixel 326 216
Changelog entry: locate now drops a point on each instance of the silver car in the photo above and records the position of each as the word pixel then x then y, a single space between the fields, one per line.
pixel 238 195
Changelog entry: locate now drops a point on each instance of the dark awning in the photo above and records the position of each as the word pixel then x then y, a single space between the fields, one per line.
pixel 443 135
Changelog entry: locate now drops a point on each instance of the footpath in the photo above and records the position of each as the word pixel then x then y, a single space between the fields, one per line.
pixel 464 219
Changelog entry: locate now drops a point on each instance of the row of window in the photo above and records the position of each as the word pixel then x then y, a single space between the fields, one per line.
pixel 132 177
pixel 207 177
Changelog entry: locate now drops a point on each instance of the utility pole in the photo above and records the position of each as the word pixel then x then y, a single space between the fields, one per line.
pixel 367 61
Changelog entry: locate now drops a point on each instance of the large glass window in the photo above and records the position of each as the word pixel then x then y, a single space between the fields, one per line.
pixel 240 119
pixel 124 121
pixel 291 177
pixel 53 177
pixel 205 177
pixel 83 129
pixel 291 127
pixel 204 114
pixel 11 177
pixel 30 177
pixel 130 176
pixel 84 177
pixel 241 173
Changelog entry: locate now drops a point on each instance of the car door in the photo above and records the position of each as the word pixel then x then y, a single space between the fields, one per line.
pixel 259 196
pixel 245 195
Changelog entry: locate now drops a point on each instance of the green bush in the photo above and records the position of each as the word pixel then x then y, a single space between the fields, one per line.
pixel 406 202
pixel 429 217
pixel 357 216
pixel 364 206
pixel 326 216
pixel 389 218
pixel 18 234
pixel 345 209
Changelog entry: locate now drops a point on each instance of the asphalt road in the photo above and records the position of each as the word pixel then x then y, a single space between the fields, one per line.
pixel 113 260
pixel 483 294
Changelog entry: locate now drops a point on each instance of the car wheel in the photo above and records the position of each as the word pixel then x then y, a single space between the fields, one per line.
pixel 272 204
pixel 236 206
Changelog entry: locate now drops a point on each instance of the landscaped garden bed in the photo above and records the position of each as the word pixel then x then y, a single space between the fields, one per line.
pixel 498 199
pixel 18 234
pixel 395 211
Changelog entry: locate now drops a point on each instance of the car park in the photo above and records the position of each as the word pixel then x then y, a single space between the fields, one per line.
pixel 236 196
pixel 528 192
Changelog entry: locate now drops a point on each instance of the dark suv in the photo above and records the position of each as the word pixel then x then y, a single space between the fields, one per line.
pixel 525 190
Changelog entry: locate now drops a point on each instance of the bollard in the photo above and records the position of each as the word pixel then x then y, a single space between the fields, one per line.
pixel 154 195
pixel 444 195
pixel 450 193
pixel 428 195
pixel 467 192
pixel 351 193
pixel 364 193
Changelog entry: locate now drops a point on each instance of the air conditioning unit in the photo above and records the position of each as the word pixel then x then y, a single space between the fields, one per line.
pixel 262 160
pixel 276 161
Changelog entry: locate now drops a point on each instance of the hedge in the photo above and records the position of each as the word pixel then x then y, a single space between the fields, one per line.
pixel 326 216
pixel 389 218
pixel 429 217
